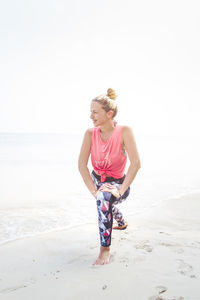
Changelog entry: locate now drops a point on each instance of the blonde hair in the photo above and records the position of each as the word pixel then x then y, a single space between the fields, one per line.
pixel 108 101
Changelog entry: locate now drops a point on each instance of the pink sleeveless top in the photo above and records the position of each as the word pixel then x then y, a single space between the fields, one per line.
pixel 108 158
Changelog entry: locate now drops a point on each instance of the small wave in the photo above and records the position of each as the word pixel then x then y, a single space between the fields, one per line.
pixel 17 223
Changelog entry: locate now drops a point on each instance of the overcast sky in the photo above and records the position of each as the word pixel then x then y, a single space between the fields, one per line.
pixel 56 56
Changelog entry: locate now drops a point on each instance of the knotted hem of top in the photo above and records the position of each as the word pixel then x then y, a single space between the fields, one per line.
pixel 108 178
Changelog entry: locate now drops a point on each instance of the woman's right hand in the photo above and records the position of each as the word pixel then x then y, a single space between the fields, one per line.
pixel 106 187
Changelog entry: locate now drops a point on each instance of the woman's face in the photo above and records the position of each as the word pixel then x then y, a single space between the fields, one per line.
pixel 98 115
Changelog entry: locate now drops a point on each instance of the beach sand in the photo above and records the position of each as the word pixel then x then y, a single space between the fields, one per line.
pixel 156 258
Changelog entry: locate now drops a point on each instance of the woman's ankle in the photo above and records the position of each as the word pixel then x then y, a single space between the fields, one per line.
pixel 104 249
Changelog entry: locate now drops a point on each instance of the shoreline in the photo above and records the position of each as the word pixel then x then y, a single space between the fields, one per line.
pixel 156 256
pixel 140 212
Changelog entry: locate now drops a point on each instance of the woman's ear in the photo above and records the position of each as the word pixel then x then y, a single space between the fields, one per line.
pixel 110 114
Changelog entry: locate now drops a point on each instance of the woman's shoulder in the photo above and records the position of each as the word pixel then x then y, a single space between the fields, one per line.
pixel 88 135
pixel 127 132
pixel 90 131
pixel 125 128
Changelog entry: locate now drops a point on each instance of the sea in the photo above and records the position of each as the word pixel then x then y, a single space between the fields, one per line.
pixel 41 189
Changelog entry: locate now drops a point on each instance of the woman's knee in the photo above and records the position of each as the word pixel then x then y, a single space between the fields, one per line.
pixel 103 202
pixel 103 195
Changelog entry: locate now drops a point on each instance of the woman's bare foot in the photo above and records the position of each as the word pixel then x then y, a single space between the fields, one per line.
pixel 104 256
pixel 122 227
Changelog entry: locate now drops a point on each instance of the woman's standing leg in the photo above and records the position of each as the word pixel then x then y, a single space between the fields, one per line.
pixel 104 208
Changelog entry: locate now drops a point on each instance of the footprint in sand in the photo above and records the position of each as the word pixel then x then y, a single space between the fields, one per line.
pixel 185 269
pixel 174 247
pixel 144 245
pixel 178 250
pixel 160 290
pixel 124 260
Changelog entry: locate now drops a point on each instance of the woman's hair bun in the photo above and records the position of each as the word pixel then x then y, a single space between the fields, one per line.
pixel 111 94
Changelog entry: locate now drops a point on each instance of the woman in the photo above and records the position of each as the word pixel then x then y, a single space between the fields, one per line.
pixel 108 144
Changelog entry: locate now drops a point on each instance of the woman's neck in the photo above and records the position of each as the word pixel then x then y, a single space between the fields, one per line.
pixel 109 126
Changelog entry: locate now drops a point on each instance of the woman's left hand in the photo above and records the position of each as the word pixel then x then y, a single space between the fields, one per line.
pixel 106 187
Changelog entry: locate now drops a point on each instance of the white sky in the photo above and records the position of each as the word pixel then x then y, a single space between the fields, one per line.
pixel 56 56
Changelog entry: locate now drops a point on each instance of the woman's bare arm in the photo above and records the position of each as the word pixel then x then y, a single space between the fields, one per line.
pixel 131 149
pixel 83 162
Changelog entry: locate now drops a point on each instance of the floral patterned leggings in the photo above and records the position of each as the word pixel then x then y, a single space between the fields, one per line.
pixel 107 210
